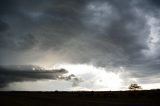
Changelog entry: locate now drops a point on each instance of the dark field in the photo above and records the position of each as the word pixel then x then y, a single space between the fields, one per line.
pixel 114 98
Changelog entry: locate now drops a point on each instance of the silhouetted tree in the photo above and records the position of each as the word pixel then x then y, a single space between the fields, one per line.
pixel 134 87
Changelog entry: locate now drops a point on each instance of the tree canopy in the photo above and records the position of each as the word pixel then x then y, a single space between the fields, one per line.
pixel 134 87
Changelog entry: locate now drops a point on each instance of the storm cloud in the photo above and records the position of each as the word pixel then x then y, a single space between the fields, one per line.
pixel 104 33
pixel 21 73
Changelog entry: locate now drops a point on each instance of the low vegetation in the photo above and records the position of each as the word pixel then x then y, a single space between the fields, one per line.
pixel 81 98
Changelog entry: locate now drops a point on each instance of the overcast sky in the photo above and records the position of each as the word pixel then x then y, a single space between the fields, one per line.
pixel 120 37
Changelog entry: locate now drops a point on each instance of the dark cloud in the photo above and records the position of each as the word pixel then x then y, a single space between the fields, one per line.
pixel 73 78
pixel 14 42
pixel 155 2
pixel 7 6
pixel 52 22
pixel 3 26
pixel 20 73
pixel 118 35
pixel 100 32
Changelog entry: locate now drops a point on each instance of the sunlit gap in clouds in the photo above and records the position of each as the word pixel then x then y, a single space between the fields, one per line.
pixel 83 77
pixel 93 78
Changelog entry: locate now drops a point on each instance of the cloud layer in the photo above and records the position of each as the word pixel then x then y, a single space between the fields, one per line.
pixel 21 73
pixel 105 33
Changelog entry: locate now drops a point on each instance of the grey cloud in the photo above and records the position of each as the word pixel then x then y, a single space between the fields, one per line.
pixel 155 2
pixel 121 41
pixel 101 32
pixel 51 22
pixel 20 73
pixel 25 42
pixel 73 78
pixel 7 6
pixel 3 26
pixel 13 42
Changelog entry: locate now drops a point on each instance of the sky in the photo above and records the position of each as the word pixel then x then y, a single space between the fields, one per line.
pixel 70 45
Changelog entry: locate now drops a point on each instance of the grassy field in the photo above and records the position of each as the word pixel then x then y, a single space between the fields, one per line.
pixel 109 98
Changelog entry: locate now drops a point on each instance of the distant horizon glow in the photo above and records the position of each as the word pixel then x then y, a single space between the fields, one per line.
pixel 99 77
pixel 91 79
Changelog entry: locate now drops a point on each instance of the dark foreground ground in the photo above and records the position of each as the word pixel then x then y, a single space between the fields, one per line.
pixel 116 98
